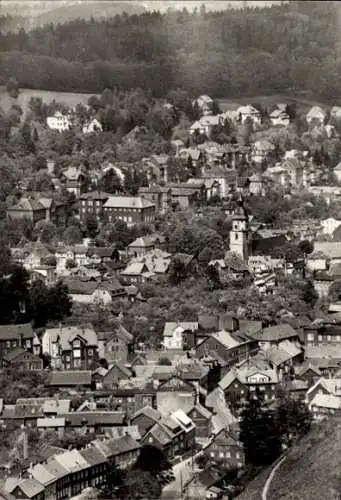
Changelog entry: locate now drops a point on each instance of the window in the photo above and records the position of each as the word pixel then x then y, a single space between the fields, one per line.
pixel 236 236
pixel 237 455
pixel 320 338
pixel 76 353
pixel 221 454
pixel 8 344
pixel 76 363
pixel 150 439
pixel 310 337
pixel 212 454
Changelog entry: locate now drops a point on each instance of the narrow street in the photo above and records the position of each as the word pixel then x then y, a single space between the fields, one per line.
pixel 182 472
pixel 270 478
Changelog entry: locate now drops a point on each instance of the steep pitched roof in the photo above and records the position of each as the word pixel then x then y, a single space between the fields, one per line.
pixel 73 173
pixel 149 412
pixel 330 248
pixel 122 369
pixel 170 327
pixel 277 332
pixel 226 339
pixel 28 205
pixel 67 334
pixel 9 332
pixel 326 401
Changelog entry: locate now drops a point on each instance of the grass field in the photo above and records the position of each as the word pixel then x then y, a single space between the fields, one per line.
pixel 304 101
pixel 68 98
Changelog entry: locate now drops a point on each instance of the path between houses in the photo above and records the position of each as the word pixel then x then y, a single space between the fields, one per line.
pixel 270 478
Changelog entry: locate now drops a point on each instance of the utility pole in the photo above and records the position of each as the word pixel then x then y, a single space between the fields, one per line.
pixel 181 485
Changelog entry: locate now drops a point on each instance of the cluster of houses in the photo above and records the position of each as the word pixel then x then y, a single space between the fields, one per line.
pixel 66 121
pixel 131 397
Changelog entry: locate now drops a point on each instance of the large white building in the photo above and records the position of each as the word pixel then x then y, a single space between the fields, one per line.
pixel 59 122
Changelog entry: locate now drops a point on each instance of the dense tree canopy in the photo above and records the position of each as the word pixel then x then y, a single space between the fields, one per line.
pixel 289 45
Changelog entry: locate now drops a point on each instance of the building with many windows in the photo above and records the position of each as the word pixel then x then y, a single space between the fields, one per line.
pixel 92 203
pixel 71 347
pixel 130 209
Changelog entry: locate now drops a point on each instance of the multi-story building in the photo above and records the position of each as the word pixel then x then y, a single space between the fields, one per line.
pixel 15 336
pixel 160 196
pixel 67 474
pixel 226 449
pixel 230 347
pixel 76 180
pixel 130 209
pixel 115 345
pixel 27 208
pixel 71 347
pixel 175 393
pixel 91 203
pixel 318 334
pixel 174 434
pixel 59 122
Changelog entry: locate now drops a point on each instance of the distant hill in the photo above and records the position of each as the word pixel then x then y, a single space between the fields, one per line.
pixel 31 17
pixel 312 469
pixel 86 11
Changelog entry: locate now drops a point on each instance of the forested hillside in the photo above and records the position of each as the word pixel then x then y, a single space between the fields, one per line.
pixel 291 46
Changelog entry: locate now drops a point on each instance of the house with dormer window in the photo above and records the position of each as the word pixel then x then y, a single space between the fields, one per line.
pixel 71 347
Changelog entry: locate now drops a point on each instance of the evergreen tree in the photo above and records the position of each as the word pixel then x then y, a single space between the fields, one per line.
pixel 259 434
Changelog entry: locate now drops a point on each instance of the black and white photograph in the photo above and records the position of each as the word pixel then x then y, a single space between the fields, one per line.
pixel 170 250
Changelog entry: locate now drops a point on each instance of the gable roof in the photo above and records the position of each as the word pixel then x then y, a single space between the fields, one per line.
pixel 248 110
pixel 226 339
pixel 316 111
pixel 30 487
pixel 332 249
pixel 73 173
pixel 135 269
pixel 149 412
pixel 204 412
pixel 227 379
pixel 67 334
pixel 326 401
pixel 118 331
pixel 306 366
pixel 123 369
pixel 171 326
pixel 11 332
pixel 28 205
pixel 277 332
pixel 15 353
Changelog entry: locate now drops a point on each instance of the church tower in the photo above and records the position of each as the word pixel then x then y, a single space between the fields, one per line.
pixel 239 236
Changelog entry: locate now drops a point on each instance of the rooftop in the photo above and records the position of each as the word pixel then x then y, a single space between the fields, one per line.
pixel 127 202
